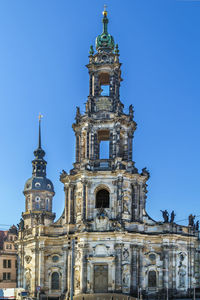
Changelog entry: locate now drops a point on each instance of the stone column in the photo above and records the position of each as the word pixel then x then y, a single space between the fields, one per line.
pixel 173 267
pixel 34 273
pixel 65 267
pixel 134 269
pixel 91 145
pixel 191 266
pixel 133 202
pixel 111 145
pixel 130 147
pixel 77 147
pixel 66 189
pixel 141 200
pixel 20 264
pixel 118 142
pixel 125 145
pixel 141 271
pixel 84 250
pixel 82 145
pixel 88 144
pixel 69 258
pixel 114 143
pixel 90 83
pixel 96 146
pixel 84 183
pixel 119 197
pixel 41 266
pixel 118 268
pixel 165 266
pixel 112 85
pixel 96 84
pixel 71 203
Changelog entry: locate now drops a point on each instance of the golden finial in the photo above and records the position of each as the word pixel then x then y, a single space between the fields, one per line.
pixel 40 116
pixel 105 11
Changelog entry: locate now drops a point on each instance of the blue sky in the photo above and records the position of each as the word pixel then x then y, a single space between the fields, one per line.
pixel 44 48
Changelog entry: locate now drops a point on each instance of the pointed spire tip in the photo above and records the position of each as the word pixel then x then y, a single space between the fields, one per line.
pixel 105 11
pixel 39 137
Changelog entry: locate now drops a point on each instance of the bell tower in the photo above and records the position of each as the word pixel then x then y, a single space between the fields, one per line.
pixel 38 191
pixel 104 120
pixel 104 182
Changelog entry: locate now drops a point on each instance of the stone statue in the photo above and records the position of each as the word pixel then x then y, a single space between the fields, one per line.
pixel 21 225
pixel 145 172
pixel 126 208
pixel 27 281
pixel 181 260
pixel 63 174
pixel 191 220
pixel 165 215
pixel 172 216
pixel 182 274
pixel 131 111
pixel 126 275
pixel 42 218
pixel 78 114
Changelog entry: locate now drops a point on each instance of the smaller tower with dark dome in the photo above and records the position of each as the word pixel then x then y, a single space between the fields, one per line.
pixel 39 191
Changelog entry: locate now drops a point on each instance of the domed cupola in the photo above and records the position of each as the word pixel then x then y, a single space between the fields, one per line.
pixel 105 41
pixel 38 190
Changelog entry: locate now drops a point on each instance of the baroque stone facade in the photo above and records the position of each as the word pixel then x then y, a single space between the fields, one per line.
pixel 104 242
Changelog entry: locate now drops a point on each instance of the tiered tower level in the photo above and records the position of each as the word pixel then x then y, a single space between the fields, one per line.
pixel 104 242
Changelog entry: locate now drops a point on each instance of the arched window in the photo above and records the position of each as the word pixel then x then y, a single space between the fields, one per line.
pixel 47 203
pixel 102 199
pixel 152 279
pixel 55 281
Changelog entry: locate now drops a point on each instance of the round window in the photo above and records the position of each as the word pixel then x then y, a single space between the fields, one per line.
pixel 55 258
pixel 37 184
pixel 152 257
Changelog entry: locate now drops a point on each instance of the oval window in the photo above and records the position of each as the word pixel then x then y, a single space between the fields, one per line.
pixel 55 258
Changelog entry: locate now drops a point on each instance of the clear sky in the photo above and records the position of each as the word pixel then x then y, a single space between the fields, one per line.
pixel 44 48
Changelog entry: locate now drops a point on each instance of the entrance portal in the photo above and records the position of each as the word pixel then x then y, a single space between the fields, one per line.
pixel 100 278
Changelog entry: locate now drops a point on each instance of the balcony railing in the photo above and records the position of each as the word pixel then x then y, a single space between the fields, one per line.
pixel 102 164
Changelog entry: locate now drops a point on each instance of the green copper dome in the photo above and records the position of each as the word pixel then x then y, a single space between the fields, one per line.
pixel 105 40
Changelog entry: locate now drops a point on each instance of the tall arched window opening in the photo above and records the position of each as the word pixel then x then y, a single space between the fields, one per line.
pixel 104 144
pixel 55 281
pixel 102 199
pixel 152 282
pixel 104 82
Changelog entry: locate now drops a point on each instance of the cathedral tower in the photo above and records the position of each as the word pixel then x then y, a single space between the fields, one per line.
pixel 38 191
pixel 104 177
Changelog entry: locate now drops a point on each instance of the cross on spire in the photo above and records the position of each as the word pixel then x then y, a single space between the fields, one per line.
pixel 40 116
pixel 105 11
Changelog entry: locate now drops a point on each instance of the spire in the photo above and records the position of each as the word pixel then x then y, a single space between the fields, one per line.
pixel 39 164
pixel 105 20
pixel 39 136
pixel 105 41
